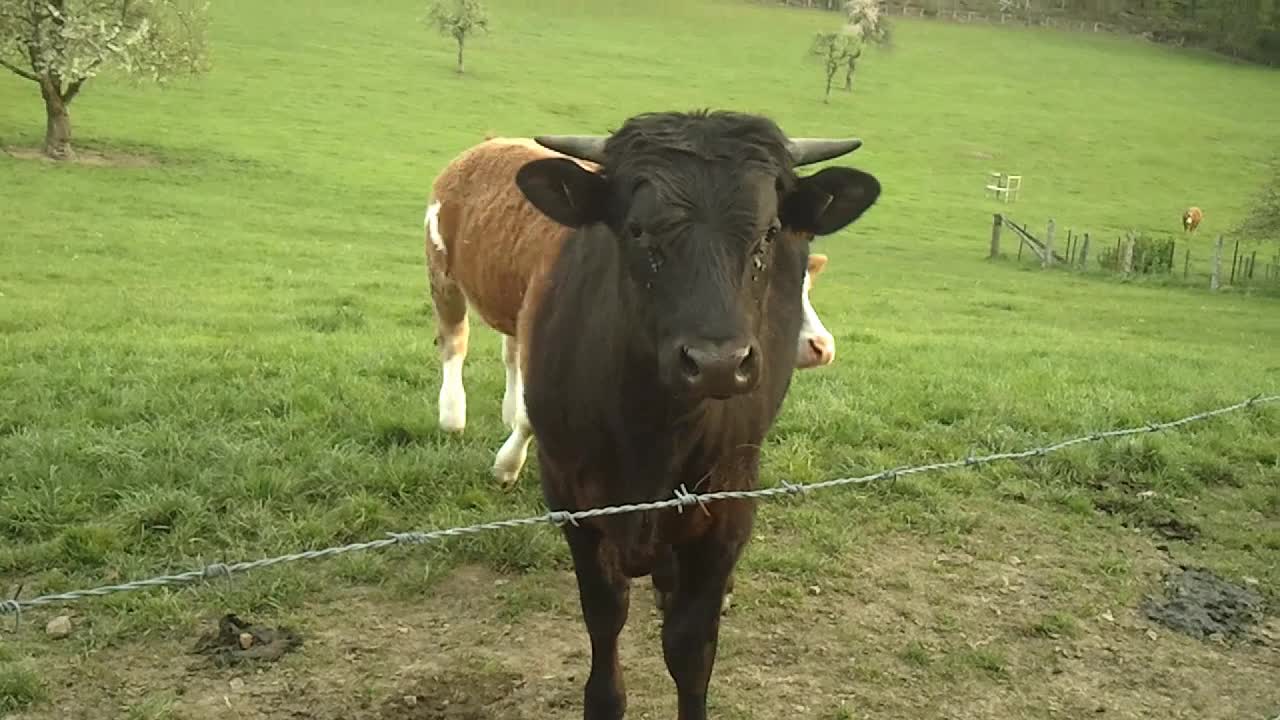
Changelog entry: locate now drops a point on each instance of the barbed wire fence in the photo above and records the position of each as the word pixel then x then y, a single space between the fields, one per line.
pixel 683 499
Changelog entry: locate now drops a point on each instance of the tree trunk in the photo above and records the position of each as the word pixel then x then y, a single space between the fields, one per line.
pixel 461 41
pixel 827 98
pixel 57 132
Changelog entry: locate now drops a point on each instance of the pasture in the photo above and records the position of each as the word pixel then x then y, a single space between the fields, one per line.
pixel 216 344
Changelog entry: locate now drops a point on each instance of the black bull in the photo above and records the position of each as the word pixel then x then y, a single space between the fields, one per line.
pixel 659 351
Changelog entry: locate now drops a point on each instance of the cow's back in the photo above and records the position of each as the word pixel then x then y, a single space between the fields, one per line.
pixel 494 240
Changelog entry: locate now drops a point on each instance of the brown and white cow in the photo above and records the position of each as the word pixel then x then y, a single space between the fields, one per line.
pixel 1191 219
pixel 484 241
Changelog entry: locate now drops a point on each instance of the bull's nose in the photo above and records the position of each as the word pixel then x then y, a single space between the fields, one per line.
pixel 719 371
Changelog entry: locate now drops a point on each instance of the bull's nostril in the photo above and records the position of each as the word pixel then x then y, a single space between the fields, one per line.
pixel 747 366
pixel 688 366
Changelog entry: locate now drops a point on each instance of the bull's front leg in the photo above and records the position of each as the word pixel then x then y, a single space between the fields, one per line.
pixel 605 596
pixel 691 626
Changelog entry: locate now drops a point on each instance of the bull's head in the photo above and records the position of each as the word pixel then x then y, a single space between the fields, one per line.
pixel 711 227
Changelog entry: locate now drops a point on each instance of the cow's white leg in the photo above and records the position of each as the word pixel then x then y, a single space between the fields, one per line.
pixel 511 457
pixel 453 396
pixel 452 329
pixel 514 394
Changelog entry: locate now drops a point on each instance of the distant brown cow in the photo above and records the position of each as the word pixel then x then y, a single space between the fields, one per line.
pixel 1191 219
pixel 484 241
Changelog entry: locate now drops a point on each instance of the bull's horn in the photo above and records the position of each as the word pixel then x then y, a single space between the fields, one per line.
pixel 583 147
pixel 811 150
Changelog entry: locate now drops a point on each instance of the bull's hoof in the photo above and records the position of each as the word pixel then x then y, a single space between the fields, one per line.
pixel 660 600
pixel 725 603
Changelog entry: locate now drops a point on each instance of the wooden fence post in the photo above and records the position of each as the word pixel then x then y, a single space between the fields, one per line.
pixel 1217 265
pixel 1253 260
pixel 1048 245
pixel 1186 263
pixel 996 224
pixel 1128 254
pixel 1084 252
pixel 1235 254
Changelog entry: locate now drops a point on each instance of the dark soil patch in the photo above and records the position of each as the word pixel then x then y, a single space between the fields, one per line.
pixel 470 692
pixel 1140 513
pixel 1174 529
pixel 1201 604
pixel 236 641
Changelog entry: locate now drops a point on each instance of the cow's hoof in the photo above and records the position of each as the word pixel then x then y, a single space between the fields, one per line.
pixel 453 418
pixel 725 603
pixel 506 478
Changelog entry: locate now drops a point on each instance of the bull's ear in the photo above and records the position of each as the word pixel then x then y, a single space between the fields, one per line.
pixel 563 191
pixel 829 199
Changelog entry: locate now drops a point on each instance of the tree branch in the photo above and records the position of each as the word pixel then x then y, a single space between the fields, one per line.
pixel 72 90
pixel 19 71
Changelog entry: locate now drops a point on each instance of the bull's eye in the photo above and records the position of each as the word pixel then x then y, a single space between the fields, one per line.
pixel 759 253
pixel 635 230
pixel 771 234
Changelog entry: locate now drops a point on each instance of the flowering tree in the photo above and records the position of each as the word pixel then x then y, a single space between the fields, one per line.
pixel 864 19
pixel 1263 219
pixel 59 45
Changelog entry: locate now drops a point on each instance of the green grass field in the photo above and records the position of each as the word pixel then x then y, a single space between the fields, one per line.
pixel 219 347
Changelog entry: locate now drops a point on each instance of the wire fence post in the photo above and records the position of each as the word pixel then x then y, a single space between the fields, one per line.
pixel 1214 279
pixel 1084 252
pixel 996 225
pixel 1047 260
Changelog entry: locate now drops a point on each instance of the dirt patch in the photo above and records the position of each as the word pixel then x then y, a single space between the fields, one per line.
pixel 904 628
pixel 87 157
pixel 236 641
pixel 1201 604
pixel 469 692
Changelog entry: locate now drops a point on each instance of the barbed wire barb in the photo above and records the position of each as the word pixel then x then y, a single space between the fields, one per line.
pixel 682 499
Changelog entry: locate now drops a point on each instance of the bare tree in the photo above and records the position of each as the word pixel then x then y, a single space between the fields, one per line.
pixel 842 49
pixel 835 50
pixel 459 19
pixel 851 65
pixel 60 45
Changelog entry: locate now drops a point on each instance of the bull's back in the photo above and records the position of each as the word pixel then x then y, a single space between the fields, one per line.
pixel 495 241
